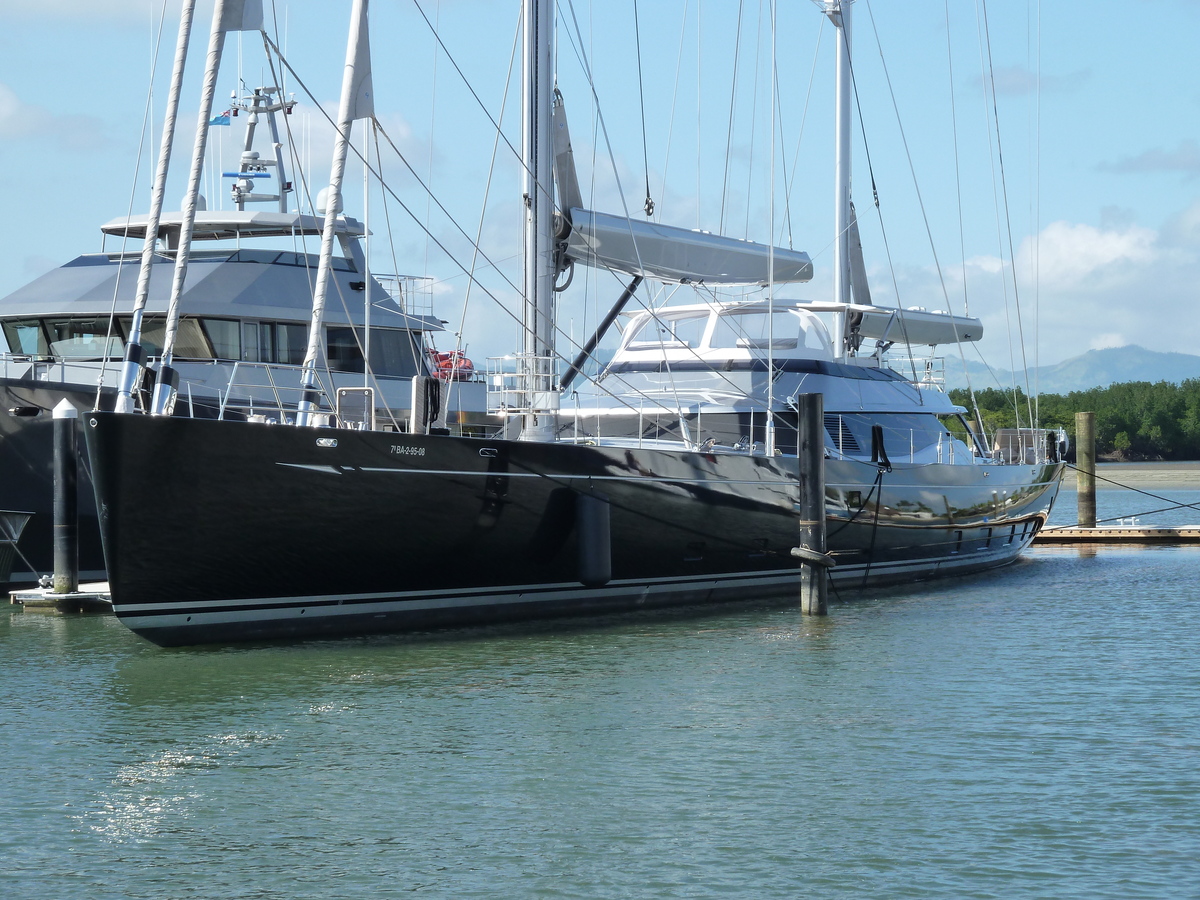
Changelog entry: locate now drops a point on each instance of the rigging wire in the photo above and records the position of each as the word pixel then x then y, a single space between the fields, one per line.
pixel 804 118
pixel 737 51
pixel 787 197
pixel 840 34
pixel 576 42
pixel 637 34
pixel 753 116
pixel 462 322
pixel 471 89
pixel 146 116
pixel 437 19
pixel 1007 214
pixel 962 243
pixel 1036 243
pixel 440 244
pixel 992 115
pixel 674 98
pixel 1011 391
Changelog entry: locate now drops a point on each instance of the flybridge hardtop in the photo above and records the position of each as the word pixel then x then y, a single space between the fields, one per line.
pixel 246 283
pixel 231 224
pixel 714 357
pixel 784 329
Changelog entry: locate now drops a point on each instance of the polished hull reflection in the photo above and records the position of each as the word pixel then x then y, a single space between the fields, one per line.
pixel 219 531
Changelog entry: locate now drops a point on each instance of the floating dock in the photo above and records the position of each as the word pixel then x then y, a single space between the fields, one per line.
pixel 90 598
pixel 1120 534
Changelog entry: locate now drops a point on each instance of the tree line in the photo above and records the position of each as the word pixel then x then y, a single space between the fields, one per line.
pixel 1135 420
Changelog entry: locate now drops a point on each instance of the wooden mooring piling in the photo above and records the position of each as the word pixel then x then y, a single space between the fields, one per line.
pixel 1086 530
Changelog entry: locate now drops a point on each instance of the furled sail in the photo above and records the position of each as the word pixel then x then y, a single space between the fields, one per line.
pixel 668 253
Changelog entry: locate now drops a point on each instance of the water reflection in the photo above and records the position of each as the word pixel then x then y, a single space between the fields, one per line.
pixel 1002 735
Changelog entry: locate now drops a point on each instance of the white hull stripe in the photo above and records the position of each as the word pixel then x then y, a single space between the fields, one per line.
pixel 715 481
pixel 398 601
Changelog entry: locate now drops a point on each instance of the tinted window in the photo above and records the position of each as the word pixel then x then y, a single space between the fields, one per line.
pixel 291 341
pixel 393 351
pixel 25 337
pixel 83 338
pixel 343 350
pixel 190 342
pixel 225 335
pixel 902 432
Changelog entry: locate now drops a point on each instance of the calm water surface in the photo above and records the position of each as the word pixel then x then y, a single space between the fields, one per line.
pixel 1034 733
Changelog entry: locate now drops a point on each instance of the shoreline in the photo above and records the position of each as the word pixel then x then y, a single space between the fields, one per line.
pixel 1179 475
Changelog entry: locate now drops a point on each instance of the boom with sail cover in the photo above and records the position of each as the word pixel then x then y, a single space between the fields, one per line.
pixel 669 253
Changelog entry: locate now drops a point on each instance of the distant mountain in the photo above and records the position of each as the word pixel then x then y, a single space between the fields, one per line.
pixel 1096 368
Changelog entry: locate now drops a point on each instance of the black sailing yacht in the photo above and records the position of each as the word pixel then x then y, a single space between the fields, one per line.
pixel 676 482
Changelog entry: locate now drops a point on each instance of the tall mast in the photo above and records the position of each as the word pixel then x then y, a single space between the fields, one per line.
pixel 228 15
pixel 537 155
pixel 839 13
pixel 357 102
pixel 134 354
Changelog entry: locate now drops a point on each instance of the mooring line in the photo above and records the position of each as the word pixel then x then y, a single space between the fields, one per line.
pixel 1177 503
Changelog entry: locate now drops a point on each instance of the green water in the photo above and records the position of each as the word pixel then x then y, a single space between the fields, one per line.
pixel 1034 733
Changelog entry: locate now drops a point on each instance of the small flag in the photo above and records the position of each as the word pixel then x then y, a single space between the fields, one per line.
pixel 222 119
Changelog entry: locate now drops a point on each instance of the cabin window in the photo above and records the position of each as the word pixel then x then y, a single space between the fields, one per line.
pixel 752 330
pixel 274 342
pixel 682 331
pixel 903 433
pixel 190 342
pixel 225 335
pixel 291 342
pixel 266 342
pixel 343 351
pixel 83 338
pixel 25 337
pixel 393 351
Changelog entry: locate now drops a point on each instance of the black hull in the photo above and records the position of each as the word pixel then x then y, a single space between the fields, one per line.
pixel 27 471
pixel 218 531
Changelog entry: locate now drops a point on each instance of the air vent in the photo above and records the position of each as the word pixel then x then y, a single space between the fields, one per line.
pixel 839 432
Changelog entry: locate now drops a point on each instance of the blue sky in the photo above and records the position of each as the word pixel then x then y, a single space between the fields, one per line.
pixel 1100 163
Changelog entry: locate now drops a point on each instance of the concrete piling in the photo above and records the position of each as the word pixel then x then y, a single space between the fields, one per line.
pixel 66 516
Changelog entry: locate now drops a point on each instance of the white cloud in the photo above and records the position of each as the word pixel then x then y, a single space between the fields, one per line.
pixel 20 120
pixel 1020 81
pixel 1074 257
pixel 1184 158
pixel 1098 287
pixel 1107 341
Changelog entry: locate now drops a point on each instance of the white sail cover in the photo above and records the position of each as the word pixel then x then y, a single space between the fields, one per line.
pixel 362 102
pixel 916 327
pixel 668 253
